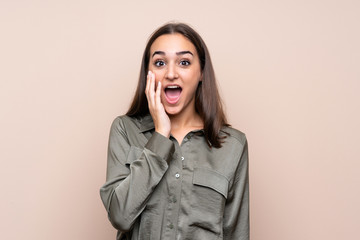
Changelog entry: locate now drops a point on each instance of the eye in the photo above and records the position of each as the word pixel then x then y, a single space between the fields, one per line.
pixel 159 63
pixel 184 62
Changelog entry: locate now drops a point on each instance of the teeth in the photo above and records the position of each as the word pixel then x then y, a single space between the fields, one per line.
pixel 173 87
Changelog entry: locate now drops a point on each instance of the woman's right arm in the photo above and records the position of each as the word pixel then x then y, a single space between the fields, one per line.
pixel 129 186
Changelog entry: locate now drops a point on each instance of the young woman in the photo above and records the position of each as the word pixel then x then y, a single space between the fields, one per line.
pixel 175 169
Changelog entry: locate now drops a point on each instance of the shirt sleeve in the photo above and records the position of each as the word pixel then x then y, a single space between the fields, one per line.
pixel 236 215
pixel 132 174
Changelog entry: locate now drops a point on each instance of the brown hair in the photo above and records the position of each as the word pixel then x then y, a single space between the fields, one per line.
pixel 207 100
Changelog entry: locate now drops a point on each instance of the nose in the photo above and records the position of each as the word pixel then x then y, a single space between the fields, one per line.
pixel 171 72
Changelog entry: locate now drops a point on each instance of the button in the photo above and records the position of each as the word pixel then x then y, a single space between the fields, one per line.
pixel 188 137
pixel 174 199
pixel 171 226
pixel 177 175
pixel 182 158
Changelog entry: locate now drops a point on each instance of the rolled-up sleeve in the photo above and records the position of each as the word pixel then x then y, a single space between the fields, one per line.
pixel 132 174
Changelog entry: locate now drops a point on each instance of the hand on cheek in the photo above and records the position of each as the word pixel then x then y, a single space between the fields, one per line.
pixel 156 108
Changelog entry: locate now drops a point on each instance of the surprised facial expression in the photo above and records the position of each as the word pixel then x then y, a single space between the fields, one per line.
pixel 175 63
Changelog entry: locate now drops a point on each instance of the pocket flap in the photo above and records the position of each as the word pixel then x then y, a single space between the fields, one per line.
pixel 133 154
pixel 211 179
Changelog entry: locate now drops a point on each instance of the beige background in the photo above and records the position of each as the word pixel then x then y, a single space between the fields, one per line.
pixel 288 72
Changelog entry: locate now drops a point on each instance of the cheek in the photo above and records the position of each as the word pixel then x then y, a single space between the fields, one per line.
pixel 193 80
pixel 193 75
pixel 159 75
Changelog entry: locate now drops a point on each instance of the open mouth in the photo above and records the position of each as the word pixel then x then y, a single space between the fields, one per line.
pixel 172 93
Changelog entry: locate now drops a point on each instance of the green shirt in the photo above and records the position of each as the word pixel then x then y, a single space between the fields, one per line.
pixel 157 189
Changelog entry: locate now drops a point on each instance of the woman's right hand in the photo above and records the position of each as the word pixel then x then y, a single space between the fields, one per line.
pixel 161 119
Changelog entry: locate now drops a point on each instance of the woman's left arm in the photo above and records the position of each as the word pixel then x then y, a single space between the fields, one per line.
pixel 236 215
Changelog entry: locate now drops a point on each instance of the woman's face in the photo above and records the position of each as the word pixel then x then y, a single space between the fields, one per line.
pixel 175 62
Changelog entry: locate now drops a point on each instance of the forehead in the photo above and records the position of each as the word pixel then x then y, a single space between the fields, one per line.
pixel 172 43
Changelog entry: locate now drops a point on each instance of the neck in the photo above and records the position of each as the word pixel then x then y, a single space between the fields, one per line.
pixel 184 122
pixel 187 119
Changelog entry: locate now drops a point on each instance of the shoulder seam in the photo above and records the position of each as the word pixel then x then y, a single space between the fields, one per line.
pixel 238 138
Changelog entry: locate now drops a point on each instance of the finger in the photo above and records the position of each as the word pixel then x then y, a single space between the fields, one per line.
pixel 147 83
pixel 158 94
pixel 148 97
pixel 152 83
pixel 152 90
pixel 154 78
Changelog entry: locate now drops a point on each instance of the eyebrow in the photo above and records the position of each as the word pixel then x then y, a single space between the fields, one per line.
pixel 178 53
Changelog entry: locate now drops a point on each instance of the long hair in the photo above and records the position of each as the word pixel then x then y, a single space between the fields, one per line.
pixel 207 99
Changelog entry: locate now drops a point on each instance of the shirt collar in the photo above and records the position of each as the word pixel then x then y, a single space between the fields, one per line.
pixel 146 123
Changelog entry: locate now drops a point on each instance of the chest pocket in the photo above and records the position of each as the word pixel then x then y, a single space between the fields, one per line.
pixel 209 193
pixel 211 179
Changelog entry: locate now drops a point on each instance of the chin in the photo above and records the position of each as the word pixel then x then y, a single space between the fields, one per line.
pixel 172 110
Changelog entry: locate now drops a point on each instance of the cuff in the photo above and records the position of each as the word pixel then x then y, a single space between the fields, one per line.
pixel 161 146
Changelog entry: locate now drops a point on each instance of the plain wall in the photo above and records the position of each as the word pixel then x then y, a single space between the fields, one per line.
pixel 289 76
